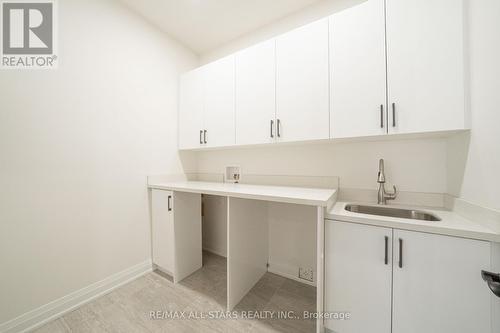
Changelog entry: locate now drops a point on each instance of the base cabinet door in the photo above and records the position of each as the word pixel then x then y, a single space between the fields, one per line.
pixel 187 231
pixel 358 269
pixel 163 230
pixel 437 285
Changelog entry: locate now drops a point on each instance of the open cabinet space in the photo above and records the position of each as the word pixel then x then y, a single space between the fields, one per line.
pixel 241 256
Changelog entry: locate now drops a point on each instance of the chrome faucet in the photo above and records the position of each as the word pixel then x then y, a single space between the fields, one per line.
pixel 383 196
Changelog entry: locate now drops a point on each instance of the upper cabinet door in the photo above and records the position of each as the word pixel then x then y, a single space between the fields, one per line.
pixel 256 94
pixel 437 287
pixel 358 78
pixel 191 101
pixel 425 58
pixel 219 103
pixel 302 92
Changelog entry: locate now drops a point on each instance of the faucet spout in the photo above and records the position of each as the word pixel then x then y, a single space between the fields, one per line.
pixel 381 174
pixel 383 195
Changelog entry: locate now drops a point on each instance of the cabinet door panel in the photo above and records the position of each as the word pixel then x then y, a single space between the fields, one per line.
pixel 357 279
pixel 302 89
pixel 187 231
pixel 439 288
pixel 191 101
pixel 163 230
pixel 256 94
pixel 425 57
pixel 219 102
pixel 358 77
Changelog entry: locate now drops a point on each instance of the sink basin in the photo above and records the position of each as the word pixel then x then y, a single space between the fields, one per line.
pixel 392 212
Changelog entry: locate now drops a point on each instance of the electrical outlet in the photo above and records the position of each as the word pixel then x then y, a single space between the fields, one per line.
pixel 306 274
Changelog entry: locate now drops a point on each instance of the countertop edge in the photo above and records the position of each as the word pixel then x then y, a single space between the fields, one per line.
pixel 431 228
pixel 264 197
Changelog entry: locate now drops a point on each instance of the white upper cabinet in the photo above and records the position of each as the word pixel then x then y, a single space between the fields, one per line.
pixel 302 88
pixel 219 103
pixel 358 78
pixel 380 67
pixel 256 94
pixel 437 287
pixel 191 105
pixel 425 51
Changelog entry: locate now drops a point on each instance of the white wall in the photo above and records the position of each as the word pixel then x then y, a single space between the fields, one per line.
pixel 412 165
pixel 474 161
pixel 76 145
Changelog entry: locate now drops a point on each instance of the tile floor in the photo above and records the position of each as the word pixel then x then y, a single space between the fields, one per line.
pixel 128 308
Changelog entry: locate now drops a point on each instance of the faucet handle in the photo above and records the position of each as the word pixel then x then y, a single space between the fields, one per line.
pixel 392 196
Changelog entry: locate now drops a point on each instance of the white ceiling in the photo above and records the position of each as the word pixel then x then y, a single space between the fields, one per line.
pixel 202 25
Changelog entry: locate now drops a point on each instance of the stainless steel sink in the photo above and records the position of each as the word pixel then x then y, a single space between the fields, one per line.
pixel 392 212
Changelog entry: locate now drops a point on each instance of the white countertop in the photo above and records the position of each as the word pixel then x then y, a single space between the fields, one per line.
pixel 451 223
pixel 286 194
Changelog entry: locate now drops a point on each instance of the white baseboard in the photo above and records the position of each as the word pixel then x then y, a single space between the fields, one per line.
pixel 50 311
pixel 289 273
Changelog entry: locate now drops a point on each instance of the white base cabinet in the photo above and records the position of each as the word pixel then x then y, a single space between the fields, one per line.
pixel 358 273
pixel 163 230
pixel 179 214
pixel 437 288
pixel 432 283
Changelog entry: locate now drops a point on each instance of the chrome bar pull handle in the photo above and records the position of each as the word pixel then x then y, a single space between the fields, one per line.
pixel 279 128
pixel 400 253
pixel 205 136
pixel 386 259
pixel 272 126
pixel 381 115
pixel 169 203
pixel 393 114
pixel 201 140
